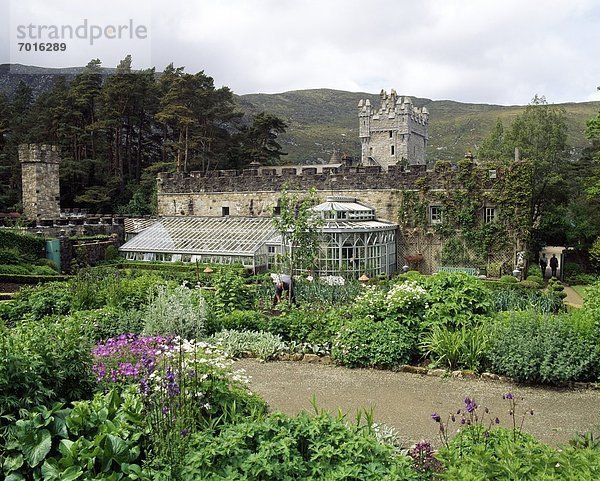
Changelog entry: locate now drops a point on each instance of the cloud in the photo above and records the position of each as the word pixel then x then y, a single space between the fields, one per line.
pixel 466 50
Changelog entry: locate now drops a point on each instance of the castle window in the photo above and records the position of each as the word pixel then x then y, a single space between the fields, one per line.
pixel 224 211
pixel 391 134
pixel 489 215
pixel 392 150
pixel 435 214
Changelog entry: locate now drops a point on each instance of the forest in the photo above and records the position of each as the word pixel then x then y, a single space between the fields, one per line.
pixel 116 132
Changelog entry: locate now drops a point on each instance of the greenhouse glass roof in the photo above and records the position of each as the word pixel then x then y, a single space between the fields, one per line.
pixel 203 235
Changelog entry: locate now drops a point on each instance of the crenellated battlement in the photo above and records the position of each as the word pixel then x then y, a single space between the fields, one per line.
pixel 395 134
pixel 273 179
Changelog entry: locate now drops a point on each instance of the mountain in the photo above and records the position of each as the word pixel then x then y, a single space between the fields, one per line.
pixel 39 79
pixel 321 120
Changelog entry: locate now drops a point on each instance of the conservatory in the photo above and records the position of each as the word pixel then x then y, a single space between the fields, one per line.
pixel 353 241
pixel 218 240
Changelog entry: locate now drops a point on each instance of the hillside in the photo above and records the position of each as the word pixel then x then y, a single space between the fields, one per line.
pixel 322 120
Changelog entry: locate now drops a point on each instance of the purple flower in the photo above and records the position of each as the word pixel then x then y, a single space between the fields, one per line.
pixel 470 405
pixel 184 432
pixel 497 421
pixel 436 417
pixel 507 396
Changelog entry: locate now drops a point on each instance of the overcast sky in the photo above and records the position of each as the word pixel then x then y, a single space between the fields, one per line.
pixel 483 51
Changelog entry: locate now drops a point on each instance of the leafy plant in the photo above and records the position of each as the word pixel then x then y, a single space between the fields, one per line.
pixel 34 303
pixel 465 347
pixel 366 343
pixel 230 292
pixel 263 345
pixel 304 447
pixel 307 325
pixel 455 298
pixel 97 439
pixel 242 320
pixel 42 362
pixel 543 349
pixel 179 312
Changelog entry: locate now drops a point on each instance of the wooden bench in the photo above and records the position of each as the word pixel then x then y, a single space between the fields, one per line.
pixel 467 270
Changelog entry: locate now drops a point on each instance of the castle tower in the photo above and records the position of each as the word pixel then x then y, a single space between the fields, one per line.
pixel 39 172
pixel 397 133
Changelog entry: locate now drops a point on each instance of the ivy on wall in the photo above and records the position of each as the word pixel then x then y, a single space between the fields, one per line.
pixel 463 190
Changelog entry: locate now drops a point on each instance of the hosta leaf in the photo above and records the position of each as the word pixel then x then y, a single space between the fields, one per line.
pixel 12 463
pixel 39 448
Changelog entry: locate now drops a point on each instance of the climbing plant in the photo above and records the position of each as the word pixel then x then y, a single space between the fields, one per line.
pixel 463 190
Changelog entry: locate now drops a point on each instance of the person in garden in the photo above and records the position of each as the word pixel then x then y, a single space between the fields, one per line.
pixel 543 265
pixel 283 285
pixel 553 264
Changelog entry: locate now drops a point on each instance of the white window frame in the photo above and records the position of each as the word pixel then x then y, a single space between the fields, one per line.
pixel 436 213
pixel 490 214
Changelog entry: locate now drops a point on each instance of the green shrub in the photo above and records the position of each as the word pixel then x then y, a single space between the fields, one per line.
pixel 263 345
pixel 509 298
pixel 463 348
pixel 179 311
pixel 52 298
pixel 503 454
pixel 537 279
pixel 527 284
pixel 110 322
pixel 583 279
pixel 94 288
pixel 301 448
pixel 242 320
pixel 367 343
pixel 455 298
pixel 27 245
pixel 111 253
pixel 11 255
pixel 543 349
pixel 97 439
pixel 508 280
pixel 307 325
pixel 230 292
pixel 44 361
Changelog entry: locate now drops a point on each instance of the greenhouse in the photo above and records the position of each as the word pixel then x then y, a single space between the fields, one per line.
pixel 218 240
pixel 354 242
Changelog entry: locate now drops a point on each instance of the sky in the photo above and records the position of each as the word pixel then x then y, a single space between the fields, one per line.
pixel 478 51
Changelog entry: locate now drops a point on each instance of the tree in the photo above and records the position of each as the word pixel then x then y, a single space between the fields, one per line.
pixel 300 228
pixel 259 142
pixel 540 135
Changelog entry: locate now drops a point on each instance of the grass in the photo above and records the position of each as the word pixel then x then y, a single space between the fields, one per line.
pixel 321 120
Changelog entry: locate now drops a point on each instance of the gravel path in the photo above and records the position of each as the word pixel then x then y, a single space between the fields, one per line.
pixel 406 401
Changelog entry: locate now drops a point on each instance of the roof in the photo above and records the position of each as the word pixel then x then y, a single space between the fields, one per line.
pixel 357 225
pixel 133 225
pixel 203 235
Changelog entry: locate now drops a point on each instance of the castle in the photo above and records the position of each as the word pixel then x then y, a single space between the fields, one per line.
pixel 393 178
pixel 428 205
pixel 396 134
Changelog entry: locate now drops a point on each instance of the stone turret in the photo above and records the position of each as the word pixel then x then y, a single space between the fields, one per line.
pixel 395 134
pixel 40 180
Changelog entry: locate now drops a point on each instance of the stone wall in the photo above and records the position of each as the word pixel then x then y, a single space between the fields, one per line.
pixel 396 133
pixel 40 180
pixel 256 192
